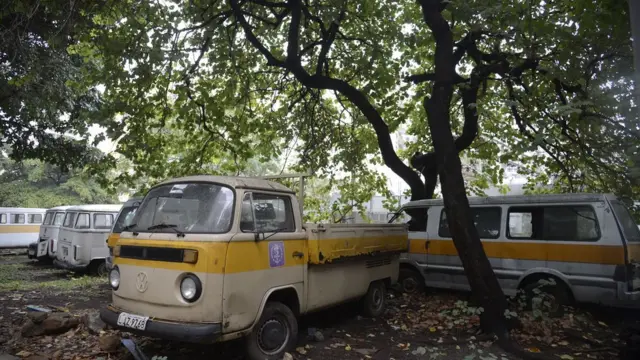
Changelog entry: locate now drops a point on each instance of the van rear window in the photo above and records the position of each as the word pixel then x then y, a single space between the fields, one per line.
pixel 629 227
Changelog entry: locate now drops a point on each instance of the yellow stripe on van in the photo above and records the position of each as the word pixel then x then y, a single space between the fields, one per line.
pixel 634 252
pixel 14 229
pixel 595 254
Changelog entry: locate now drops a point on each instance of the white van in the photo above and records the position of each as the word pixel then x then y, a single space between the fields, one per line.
pixel 82 237
pixel 19 227
pixel 585 246
pixel 48 238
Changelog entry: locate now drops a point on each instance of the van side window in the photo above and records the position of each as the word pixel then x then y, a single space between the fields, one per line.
pixel 83 221
pixel 418 220
pixel 59 219
pixel 102 221
pixel 69 219
pixel 486 219
pixel 3 218
pixel 269 212
pixel 48 218
pixel 17 218
pixel 34 218
pixel 562 223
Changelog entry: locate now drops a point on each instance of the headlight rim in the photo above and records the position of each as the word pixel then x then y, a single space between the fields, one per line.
pixel 115 268
pixel 197 283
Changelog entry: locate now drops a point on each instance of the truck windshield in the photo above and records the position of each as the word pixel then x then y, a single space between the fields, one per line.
pixel 124 219
pixel 196 208
pixel 629 227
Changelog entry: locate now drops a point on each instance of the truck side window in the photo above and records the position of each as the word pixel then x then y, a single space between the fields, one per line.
pixel 246 216
pixel 273 212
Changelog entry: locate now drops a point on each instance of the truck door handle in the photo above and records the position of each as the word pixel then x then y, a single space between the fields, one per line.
pixel 426 245
pixel 297 254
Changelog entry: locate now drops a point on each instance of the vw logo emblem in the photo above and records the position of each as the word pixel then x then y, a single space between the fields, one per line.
pixel 141 282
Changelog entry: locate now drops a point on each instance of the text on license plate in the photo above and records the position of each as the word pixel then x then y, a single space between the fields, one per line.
pixel 132 321
pixel 65 251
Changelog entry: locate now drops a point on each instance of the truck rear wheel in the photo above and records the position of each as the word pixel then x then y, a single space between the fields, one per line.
pixel 374 301
pixel 275 333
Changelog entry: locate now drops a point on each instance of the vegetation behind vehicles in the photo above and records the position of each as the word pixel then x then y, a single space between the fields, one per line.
pixel 582 247
pixel 216 258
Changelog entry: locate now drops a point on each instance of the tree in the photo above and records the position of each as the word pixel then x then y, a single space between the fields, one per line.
pixel 337 78
pixel 44 93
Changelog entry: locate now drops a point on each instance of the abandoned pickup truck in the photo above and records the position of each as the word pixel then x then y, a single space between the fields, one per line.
pixel 209 259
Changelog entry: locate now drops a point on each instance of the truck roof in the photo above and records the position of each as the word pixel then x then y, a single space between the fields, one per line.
pixel 519 199
pixel 236 182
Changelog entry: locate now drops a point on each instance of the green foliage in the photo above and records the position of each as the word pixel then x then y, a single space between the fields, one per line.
pixel 32 183
pixel 44 90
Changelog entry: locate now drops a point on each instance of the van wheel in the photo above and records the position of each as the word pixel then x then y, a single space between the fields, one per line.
pixel 275 333
pixel 554 296
pixel 99 268
pixel 411 281
pixel 374 301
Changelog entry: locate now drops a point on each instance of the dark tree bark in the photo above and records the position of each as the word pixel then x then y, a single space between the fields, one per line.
pixel 482 279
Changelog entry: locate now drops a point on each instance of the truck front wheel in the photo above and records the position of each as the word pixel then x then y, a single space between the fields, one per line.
pixel 374 301
pixel 275 333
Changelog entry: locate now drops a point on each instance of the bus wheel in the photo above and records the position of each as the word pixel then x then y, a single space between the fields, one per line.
pixel 275 333
pixel 99 268
pixel 375 299
pixel 411 281
pixel 552 294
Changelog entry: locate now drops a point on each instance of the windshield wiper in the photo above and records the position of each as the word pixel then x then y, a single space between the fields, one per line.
pixel 128 227
pixel 167 226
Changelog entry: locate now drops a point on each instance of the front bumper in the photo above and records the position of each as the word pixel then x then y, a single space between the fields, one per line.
pixel 65 265
pixel 186 332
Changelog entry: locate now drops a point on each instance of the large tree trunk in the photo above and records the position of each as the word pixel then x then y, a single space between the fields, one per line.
pixel 484 283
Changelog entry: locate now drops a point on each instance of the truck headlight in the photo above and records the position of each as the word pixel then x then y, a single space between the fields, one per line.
pixel 114 278
pixel 190 288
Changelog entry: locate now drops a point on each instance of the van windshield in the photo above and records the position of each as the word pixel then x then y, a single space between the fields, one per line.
pixel 197 208
pixel 629 227
pixel 124 219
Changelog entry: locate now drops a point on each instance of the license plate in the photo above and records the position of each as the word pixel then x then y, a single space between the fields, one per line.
pixel 132 321
pixel 65 251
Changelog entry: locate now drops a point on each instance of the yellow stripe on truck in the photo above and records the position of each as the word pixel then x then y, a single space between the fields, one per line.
pixel 595 254
pixel 112 240
pixel 16 229
pixel 218 257
pixel 323 251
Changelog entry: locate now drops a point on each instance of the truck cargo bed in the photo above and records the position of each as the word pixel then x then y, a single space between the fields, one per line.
pixel 333 242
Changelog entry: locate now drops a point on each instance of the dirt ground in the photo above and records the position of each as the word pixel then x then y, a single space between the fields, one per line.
pixel 435 325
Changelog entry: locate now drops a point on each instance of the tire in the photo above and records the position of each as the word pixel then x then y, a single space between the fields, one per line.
pixel 373 303
pixel 556 295
pixel 274 334
pixel 98 268
pixel 411 282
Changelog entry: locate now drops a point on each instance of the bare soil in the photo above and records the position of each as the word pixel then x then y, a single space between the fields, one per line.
pixel 434 325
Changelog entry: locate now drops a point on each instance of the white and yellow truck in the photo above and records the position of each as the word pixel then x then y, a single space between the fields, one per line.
pixel 209 259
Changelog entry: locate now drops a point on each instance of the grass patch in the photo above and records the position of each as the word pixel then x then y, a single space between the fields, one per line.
pixel 24 277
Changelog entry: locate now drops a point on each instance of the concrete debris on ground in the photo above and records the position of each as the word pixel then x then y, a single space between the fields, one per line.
pixel 41 323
